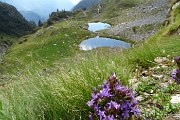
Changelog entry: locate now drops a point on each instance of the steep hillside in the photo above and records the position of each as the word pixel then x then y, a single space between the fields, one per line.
pixel 31 16
pixel 12 22
pixel 12 25
pixel 131 19
pixel 86 4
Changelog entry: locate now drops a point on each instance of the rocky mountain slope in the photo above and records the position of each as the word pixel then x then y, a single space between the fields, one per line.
pixel 86 4
pixel 142 21
pixel 131 19
pixel 12 22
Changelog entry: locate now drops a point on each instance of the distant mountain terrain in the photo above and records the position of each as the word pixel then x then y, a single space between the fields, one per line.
pixel 32 16
pixel 41 7
pixel 12 22
pixel 86 4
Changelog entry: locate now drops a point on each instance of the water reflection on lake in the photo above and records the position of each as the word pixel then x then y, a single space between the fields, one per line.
pixel 102 42
pixel 97 26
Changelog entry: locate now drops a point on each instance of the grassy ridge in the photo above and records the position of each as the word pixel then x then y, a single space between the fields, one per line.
pixel 46 45
pixel 63 92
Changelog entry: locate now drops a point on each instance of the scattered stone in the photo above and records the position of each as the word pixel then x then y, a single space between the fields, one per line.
pixel 146 94
pixel 151 91
pixel 173 116
pixel 139 98
pixel 176 5
pixel 164 84
pixel 158 76
pixel 161 60
pixel 175 99
pixel 133 80
pixel 135 85
pixel 145 73
pixel 164 66
pixel 51 27
pixel 158 67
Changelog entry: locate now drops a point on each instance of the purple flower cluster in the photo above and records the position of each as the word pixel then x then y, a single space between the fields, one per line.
pixel 113 101
pixel 176 75
pixel 177 60
pixel 176 72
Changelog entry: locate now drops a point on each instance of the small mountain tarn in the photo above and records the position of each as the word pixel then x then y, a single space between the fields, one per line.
pixel 98 26
pixel 96 42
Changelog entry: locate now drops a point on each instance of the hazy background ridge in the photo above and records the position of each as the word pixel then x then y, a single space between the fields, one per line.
pixel 42 7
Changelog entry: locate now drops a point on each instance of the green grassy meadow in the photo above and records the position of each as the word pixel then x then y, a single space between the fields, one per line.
pixel 46 77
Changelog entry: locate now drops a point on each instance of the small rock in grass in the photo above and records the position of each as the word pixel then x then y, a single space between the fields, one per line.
pixel 175 99
pixel 135 85
pixel 158 76
pixel 146 94
pixel 151 91
pixel 139 98
pixel 161 60
pixel 164 66
pixel 164 84
pixel 133 80
pixel 173 117
pixel 145 73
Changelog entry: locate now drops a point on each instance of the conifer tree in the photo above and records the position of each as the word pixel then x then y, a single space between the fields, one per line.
pixel 39 23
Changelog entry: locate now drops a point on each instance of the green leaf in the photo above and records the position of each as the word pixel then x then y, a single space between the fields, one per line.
pixel 0 105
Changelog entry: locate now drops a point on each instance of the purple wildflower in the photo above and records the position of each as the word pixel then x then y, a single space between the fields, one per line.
pixel 135 110
pixel 113 105
pixel 90 116
pixel 176 75
pixel 125 114
pixel 110 117
pixel 105 92
pixel 113 101
pixel 90 103
pixel 102 114
pixel 177 60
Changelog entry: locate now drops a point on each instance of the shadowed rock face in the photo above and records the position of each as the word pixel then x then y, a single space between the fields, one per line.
pixel 3 47
pixel 12 22
pixel 86 4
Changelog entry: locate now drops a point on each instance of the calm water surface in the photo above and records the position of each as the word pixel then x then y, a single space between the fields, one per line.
pixel 96 42
pixel 97 26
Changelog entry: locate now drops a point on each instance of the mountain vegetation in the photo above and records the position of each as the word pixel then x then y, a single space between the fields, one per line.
pixel 59 16
pixel 45 76
pixel 12 22
pixel 86 4
pixel 12 26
